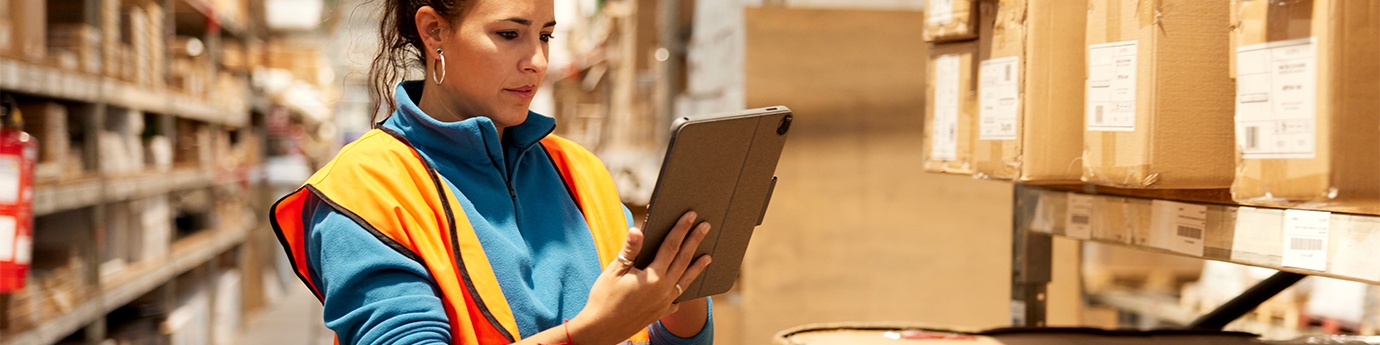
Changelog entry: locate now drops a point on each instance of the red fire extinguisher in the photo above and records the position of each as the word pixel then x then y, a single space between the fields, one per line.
pixel 18 154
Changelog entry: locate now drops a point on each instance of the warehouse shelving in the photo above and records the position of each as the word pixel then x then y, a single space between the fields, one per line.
pixel 133 282
pixel 50 82
pixel 1151 221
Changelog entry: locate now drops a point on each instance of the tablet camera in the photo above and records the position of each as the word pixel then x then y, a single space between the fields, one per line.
pixel 785 125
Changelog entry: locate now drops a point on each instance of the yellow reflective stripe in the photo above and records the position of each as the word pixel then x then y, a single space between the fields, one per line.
pixel 480 271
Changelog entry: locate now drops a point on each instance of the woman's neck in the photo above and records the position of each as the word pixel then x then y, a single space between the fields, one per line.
pixel 443 107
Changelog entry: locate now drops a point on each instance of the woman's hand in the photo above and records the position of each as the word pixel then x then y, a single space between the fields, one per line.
pixel 624 299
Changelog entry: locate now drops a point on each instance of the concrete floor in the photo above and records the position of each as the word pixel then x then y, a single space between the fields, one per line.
pixel 294 320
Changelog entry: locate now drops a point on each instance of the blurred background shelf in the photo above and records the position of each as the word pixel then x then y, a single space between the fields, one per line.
pixel 55 83
pixel 133 282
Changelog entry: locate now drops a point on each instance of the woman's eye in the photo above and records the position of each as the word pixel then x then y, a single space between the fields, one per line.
pixel 508 35
pixel 547 37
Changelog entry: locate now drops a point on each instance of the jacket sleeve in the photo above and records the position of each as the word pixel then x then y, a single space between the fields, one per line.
pixel 658 333
pixel 373 294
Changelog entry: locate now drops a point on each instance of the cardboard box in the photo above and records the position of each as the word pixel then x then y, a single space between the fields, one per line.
pixel 952 106
pixel 951 20
pixel 6 41
pixel 47 123
pixel 1158 105
pixel 80 39
pixel 1030 114
pixel 157 39
pixel 1307 79
pixel 111 38
pixel 29 29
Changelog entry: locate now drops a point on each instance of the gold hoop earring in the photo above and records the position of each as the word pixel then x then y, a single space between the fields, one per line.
pixel 441 61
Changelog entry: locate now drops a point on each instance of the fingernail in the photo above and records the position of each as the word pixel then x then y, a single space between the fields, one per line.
pixel 704 228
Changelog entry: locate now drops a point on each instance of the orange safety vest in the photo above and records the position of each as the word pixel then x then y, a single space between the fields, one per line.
pixel 383 184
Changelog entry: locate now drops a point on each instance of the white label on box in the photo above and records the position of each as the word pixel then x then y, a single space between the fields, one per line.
pixel 8 230
pixel 941 12
pixel 1112 87
pixel 1178 227
pixel 944 134
pixel 1358 247
pixel 1276 99
pixel 1080 212
pixel 1305 239
pixel 9 179
pixel 1000 98
pixel 1257 239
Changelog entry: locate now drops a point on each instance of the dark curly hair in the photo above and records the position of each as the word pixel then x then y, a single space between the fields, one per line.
pixel 401 46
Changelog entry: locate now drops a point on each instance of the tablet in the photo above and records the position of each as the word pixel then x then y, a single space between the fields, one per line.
pixel 721 166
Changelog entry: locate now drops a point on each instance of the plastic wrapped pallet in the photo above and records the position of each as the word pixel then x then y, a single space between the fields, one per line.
pixel 1030 116
pixel 1307 76
pixel 1159 107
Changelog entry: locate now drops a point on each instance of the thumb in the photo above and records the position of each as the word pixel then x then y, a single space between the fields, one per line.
pixel 631 248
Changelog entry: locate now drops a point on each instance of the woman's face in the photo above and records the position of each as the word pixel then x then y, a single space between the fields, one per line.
pixel 495 58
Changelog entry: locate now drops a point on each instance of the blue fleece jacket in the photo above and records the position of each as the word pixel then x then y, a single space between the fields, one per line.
pixel 535 236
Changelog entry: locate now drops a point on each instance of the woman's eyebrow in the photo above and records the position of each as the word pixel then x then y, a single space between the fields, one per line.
pixel 526 22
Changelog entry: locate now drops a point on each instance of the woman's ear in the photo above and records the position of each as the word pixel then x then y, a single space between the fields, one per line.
pixel 429 27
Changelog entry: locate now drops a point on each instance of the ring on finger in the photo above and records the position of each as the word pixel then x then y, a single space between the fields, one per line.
pixel 624 260
pixel 679 291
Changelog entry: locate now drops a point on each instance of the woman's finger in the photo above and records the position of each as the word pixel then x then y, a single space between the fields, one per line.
pixel 694 271
pixel 631 248
pixel 687 251
pixel 670 246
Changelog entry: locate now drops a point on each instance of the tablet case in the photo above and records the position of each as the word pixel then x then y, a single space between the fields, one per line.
pixel 721 166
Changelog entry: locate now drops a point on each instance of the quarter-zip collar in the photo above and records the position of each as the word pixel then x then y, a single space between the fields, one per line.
pixel 473 141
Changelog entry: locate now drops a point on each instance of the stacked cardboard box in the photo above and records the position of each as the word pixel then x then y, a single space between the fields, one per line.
pixel 950 115
pixel 1159 108
pixel 111 39
pixel 1030 116
pixel 47 123
pixel 122 149
pixel 1307 77
pixel 28 25
pixel 83 41
pixel 157 45
pixel 140 43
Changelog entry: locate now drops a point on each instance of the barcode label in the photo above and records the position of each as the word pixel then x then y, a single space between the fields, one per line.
pixel 1305 239
pixel 1079 219
pixel 1306 244
pixel 1190 232
pixel 1253 137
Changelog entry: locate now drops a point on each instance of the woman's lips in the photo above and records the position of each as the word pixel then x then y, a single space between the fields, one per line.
pixel 524 92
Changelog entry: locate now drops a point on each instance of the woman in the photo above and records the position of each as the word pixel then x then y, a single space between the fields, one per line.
pixel 460 219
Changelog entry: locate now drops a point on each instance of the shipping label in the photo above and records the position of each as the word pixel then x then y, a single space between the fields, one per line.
pixel 944 134
pixel 941 12
pixel 1080 213
pixel 1178 227
pixel 1305 239
pixel 1112 87
pixel 1000 98
pixel 1276 99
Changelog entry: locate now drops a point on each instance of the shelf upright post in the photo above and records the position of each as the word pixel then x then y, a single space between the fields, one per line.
pixel 1030 263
